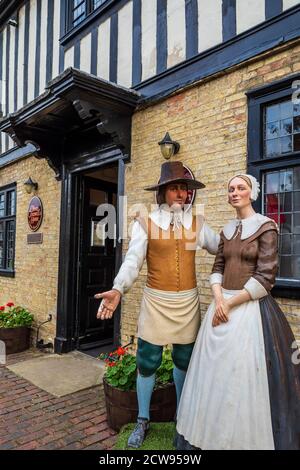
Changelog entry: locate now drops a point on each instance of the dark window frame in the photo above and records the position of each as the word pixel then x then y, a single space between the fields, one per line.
pixel 6 219
pixel 91 13
pixel 258 165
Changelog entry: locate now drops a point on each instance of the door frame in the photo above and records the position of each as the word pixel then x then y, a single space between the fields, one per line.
pixel 68 272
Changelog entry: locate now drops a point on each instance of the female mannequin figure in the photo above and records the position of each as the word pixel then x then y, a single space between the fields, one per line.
pixel 242 389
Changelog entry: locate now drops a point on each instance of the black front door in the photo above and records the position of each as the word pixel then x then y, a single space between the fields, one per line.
pixel 96 257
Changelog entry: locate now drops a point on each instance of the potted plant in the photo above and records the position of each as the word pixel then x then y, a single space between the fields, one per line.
pixel 120 389
pixel 15 323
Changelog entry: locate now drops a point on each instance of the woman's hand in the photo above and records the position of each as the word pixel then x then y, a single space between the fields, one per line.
pixel 221 314
pixel 110 301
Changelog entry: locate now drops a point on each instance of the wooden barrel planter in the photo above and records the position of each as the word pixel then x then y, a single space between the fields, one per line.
pixel 16 339
pixel 122 406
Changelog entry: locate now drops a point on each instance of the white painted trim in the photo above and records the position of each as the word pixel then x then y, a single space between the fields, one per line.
pixel 176 32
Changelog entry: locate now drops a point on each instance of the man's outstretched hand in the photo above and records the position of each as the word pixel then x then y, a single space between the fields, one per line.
pixel 110 301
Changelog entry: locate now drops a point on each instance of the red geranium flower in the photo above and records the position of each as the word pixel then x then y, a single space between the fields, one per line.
pixel 120 351
pixel 111 364
pixel 2 308
pixel 10 304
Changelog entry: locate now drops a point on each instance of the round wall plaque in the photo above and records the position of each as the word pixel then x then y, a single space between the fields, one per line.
pixel 35 213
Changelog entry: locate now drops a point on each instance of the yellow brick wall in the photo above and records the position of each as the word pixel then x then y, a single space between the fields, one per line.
pixel 36 265
pixel 210 122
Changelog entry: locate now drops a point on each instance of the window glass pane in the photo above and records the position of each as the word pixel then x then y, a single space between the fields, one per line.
pixel 297 124
pixel 286 144
pixel 1 244
pixel 10 245
pixel 272 183
pixel 272 148
pixel 81 8
pixel 272 113
pixel 296 109
pixel 286 127
pixel 98 3
pixel 285 223
pixel 297 142
pixel 285 267
pixel 297 177
pixel 285 244
pixel 11 203
pixel 273 130
pixel 285 202
pixel 271 204
pixel 296 244
pixel 297 223
pixel 295 267
pixel 281 129
pixel 286 180
pixel 2 205
pixel 286 109
pixel 79 11
pixel 98 233
pixel 296 201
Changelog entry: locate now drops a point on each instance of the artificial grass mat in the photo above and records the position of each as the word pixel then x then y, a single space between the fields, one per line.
pixel 160 437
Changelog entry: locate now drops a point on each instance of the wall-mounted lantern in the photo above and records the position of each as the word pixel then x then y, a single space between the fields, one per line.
pixel 168 146
pixel 30 185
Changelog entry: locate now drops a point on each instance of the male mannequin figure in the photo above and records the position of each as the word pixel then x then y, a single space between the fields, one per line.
pixel 170 311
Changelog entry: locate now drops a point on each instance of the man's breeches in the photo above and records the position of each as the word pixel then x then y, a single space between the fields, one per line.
pixel 149 356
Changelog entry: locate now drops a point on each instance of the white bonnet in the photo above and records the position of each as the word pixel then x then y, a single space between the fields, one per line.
pixel 255 186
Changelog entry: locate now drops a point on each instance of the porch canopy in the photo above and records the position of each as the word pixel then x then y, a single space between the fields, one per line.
pixel 77 114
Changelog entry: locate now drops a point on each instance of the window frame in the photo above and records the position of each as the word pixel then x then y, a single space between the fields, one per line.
pixel 258 165
pixel 90 15
pixel 8 218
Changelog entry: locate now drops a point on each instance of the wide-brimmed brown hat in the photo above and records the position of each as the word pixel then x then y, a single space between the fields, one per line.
pixel 174 172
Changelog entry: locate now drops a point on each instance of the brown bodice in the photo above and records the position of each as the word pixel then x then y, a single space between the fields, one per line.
pixel 257 256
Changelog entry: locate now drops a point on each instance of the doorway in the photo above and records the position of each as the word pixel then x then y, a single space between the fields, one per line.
pixel 96 259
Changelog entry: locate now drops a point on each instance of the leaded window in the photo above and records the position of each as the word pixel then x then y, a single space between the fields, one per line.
pixel 274 159
pixel 80 9
pixel 7 229
pixel 281 128
pixel 281 196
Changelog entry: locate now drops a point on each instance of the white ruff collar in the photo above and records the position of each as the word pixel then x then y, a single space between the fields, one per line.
pixel 249 226
pixel 163 218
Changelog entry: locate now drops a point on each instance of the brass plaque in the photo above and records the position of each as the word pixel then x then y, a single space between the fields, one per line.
pixel 34 238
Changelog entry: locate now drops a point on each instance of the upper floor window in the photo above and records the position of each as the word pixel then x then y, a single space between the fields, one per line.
pixel 281 128
pixel 80 9
pixel 7 229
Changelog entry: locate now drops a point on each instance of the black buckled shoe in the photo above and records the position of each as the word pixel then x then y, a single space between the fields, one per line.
pixel 139 433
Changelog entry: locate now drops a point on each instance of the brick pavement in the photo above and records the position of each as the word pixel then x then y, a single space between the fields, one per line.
pixel 31 418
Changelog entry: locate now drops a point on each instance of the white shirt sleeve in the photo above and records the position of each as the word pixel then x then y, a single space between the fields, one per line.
pixel 134 259
pixel 208 239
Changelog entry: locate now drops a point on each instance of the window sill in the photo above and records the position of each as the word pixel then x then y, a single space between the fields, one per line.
pixel 71 33
pixel 282 159
pixel 5 273
pixel 286 289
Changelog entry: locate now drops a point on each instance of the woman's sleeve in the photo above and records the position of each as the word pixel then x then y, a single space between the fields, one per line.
pixel 134 259
pixel 263 279
pixel 216 276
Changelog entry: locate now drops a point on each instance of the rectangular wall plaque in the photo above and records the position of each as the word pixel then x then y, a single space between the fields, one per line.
pixel 34 238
